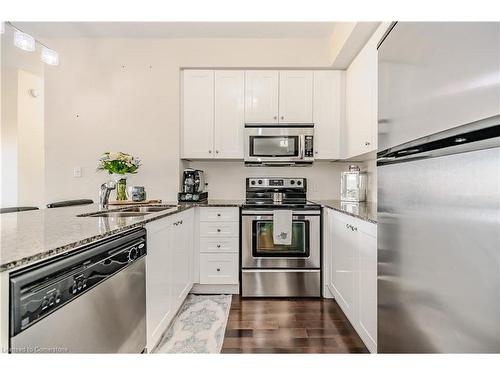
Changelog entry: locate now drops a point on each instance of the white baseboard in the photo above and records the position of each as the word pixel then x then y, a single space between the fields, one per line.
pixel 216 289
pixel 326 292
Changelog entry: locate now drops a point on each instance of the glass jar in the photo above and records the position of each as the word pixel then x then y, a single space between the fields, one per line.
pixel 353 185
pixel 121 190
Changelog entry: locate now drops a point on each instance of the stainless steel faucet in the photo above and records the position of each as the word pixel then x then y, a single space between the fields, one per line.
pixel 104 194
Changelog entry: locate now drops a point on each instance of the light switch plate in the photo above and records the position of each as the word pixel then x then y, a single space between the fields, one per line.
pixel 77 172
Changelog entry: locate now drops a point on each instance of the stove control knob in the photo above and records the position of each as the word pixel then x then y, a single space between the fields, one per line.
pixel 260 182
pixel 292 182
pixel 252 182
pixel 299 182
pixel 45 303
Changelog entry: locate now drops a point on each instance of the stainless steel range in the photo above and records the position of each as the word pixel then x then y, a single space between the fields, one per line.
pixel 271 269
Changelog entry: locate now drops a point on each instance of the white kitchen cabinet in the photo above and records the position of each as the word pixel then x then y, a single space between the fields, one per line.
pixel 351 271
pixel 367 278
pixel 361 103
pixel 198 114
pixel 261 96
pixel 328 113
pixel 218 268
pixel 219 214
pixel 229 114
pixel 360 133
pixel 159 286
pixel 295 97
pixel 218 249
pixel 169 271
pixel 182 257
pixel 344 265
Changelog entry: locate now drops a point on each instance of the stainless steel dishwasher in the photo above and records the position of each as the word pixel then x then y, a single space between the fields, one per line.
pixel 90 301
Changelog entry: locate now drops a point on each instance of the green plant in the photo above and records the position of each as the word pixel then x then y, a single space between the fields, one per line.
pixel 118 163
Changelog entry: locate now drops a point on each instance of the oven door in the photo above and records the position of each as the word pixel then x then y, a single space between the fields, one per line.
pixel 259 250
pixel 276 144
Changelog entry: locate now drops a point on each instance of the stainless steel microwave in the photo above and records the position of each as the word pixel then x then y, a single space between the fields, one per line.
pixel 279 145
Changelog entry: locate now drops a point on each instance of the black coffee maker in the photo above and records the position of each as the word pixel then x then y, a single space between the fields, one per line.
pixel 193 186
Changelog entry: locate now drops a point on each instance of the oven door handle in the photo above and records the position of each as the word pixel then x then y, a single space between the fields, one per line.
pixel 261 214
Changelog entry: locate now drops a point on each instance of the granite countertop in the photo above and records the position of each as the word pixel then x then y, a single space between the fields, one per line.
pixel 366 211
pixel 29 236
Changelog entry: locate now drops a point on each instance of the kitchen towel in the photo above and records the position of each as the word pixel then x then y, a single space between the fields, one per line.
pixel 282 227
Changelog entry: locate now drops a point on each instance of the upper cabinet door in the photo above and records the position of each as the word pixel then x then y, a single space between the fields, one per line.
pixel 360 135
pixel 296 96
pixel 261 96
pixel 361 86
pixel 328 112
pixel 198 114
pixel 229 113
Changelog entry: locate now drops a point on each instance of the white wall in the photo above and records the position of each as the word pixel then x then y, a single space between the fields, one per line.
pixel 21 140
pixel 123 94
pixel 371 167
pixel 30 139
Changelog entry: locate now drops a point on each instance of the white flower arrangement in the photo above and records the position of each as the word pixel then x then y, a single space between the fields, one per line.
pixel 118 163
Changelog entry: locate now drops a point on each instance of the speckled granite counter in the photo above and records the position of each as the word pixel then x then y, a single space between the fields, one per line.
pixel 30 236
pixel 363 210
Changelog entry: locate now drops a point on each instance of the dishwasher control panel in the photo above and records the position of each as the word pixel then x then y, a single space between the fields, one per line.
pixel 38 292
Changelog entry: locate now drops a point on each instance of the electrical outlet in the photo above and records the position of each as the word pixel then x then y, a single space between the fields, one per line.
pixel 77 172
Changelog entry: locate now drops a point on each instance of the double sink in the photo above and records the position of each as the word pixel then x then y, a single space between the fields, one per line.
pixel 130 211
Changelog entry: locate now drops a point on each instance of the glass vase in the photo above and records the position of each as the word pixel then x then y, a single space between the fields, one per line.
pixel 121 189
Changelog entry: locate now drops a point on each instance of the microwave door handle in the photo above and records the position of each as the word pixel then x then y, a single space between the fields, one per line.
pixel 301 146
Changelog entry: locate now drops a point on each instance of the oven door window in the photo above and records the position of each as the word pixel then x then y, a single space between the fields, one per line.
pixel 274 146
pixel 263 244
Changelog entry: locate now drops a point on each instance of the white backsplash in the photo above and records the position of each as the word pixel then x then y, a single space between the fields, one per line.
pixel 226 179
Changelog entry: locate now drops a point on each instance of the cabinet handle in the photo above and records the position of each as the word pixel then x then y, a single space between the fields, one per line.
pixel 216 151
pixel 180 222
pixel 218 230
pixel 218 246
pixel 282 117
pixel 275 117
pixel 218 269
pixel 218 215
pixel 209 151
pixel 367 143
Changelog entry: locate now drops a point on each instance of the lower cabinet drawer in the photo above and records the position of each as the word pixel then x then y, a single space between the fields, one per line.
pixel 219 245
pixel 218 268
pixel 222 229
pixel 219 214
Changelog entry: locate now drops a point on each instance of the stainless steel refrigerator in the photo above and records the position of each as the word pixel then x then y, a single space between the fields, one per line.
pixel 438 170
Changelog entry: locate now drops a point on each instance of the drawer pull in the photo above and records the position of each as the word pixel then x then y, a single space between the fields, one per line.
pixel 218 215
pixel 218 230
pixel 218 269
pixel 218 246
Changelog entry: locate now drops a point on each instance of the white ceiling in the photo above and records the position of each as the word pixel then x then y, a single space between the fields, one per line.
pixel 178 29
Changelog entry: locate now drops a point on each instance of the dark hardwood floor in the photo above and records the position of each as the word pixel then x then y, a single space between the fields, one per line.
pixel 289 325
